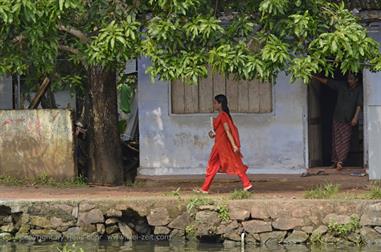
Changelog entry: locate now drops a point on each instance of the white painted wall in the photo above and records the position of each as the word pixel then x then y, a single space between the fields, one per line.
pixel 178 144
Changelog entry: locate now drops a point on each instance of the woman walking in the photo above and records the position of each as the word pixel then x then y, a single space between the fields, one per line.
pixel 226 156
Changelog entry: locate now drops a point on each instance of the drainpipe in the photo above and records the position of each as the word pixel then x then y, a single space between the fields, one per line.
pixel 243 241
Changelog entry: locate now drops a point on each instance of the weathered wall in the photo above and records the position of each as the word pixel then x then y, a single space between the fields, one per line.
pixel 36 142
pixel 178 144
pixel 5 92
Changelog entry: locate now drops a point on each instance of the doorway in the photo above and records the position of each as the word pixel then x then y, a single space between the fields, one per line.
pixel 321 105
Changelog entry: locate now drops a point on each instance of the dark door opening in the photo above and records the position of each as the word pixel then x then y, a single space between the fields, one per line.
pixel 321 105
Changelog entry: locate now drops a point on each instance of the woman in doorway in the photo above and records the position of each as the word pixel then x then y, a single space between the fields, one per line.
pixel 226 156
pixel 346 115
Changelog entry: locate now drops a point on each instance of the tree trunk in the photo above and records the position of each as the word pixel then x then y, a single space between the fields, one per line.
pixel 105 164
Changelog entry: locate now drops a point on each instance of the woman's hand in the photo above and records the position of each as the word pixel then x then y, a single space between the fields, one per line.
pixel 212 134
pixel 235 149
pixel 354 122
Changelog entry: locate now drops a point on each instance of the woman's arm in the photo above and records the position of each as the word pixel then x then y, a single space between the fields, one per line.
pixel 356 116
pixel 230 137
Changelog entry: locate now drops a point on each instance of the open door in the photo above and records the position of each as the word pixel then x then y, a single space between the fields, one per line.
pixel 314 125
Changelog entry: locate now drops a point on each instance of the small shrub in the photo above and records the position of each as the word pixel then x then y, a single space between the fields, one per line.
pixel 223 212
pixel 190 231
pixel 10 181
pixel 322 192
pixel 342 230
pixel 240 194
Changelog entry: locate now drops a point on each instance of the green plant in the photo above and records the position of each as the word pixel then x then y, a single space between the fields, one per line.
pixel 223 212
pixel 322 192
pixel 10 181
pixel 240 194
pixel 342 230
pixel 175 193
pixel 316 238
pixel 70 248
pixel 190 230
pixel 196 202
pixel 374 192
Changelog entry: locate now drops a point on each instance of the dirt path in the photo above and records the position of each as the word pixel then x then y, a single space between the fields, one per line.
pixel 266 186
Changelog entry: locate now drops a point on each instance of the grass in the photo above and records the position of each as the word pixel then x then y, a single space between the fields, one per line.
pixel 42 180
pixel 326 191
pixel 175 193
pixel 374 192
pixel 136 184
pixel 196 202
pixel 240 194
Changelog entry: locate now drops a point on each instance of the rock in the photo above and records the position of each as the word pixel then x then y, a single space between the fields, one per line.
pixel 101 229
pixel 162 231
pixel 92 217
pixel 126 231
pixel 180 222
pixel 24 237
pixel 39 221
pixel 114 213
pixel 9 228
pixel 75 212
pixel 228 244
pixel 208 217
pixel 85 207
pixel 285 223
pixel 355 238
pixel 5 237
pixel 370 236
pixel 308 229
pixel 330 239
pixel 338 219
pixel 88 228
pixel 111 221
pixel 321 230
pixel 378 229
pixel 238 214
pixel 274 237
pixel 24 229
pixel 177 235
pixel 142 227
pixel 256 226
pixel 296 237
pixel 253 238
pixel 59 225
pixel 45 235
pixel 372 215
pixel 112 229
pixel 116 237
pixel 158 217
pixel 208 208
pixel 259 213
pixel 227 228
pixel 6 219
pixel 234 235
pixel 75 234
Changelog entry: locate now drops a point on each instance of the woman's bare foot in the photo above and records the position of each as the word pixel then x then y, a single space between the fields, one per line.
pixel 199 190
pixel 249 188
pixel 339 166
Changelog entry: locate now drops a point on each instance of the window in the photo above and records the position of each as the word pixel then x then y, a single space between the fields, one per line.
pixel 243 96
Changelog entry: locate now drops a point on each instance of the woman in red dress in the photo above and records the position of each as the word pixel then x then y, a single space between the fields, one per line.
pixel 226 156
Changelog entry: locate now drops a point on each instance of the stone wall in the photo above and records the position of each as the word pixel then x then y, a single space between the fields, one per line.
pixel 262 221
pixel 37 143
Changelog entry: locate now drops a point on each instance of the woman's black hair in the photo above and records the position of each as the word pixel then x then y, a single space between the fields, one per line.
pixel 223 100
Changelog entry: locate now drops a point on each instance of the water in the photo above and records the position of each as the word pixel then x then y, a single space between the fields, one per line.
pixel 143 246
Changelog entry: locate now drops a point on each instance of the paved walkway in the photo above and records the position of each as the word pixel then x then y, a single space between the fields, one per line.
pixel 266 186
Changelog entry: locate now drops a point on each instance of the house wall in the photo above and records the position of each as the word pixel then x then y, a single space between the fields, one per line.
pixel 5 92
pixel 372 110
pixel 178 144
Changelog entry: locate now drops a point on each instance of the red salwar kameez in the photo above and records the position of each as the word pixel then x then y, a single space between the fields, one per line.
pixel 223 158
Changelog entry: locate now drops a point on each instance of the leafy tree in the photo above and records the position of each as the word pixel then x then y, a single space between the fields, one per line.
pixel 246 39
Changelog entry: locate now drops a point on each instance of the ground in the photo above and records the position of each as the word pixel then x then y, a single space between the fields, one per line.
pixel 266 186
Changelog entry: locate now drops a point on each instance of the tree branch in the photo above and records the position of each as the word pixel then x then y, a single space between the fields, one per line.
pixel 75 32
pixel 68 49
